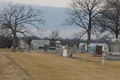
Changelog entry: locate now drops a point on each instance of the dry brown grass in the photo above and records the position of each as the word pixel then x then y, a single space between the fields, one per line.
pixel 46 66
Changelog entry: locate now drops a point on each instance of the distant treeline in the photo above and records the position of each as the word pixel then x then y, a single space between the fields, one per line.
pixel 6 42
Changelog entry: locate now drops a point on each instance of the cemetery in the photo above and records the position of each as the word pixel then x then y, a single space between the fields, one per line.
pixel 28 53
pixel 57 60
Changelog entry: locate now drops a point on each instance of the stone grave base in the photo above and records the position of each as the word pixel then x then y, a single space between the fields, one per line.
pixel 33 51
pixel 89 52
pixel 113 56
pixel 52 51
pixel 97 55
pixel 76 57
pixel 44 51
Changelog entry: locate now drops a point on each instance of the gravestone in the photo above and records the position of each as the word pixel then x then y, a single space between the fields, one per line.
pixel 22 47
pixel 61 47
pixel 76 57
pixel 58 46
pixel 52 46
pixel 98 51
pixel 30 48
pixel 45 47
pixel 102 60
pixel 64 52
pixel 85 58
pixel 69 54
pixel 89 49
pixel 35 48
pixel 66 47
pixel 114 53
pixel 61 54
pixel 75 49
pixel 77 52
pixel 84 48
pixel 26 48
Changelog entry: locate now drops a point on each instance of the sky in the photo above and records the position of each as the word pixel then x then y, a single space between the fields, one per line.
pixel 54 13
pixel 53 3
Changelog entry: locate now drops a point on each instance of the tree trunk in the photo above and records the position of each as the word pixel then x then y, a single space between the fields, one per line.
pixel 89 37
pixel 89 29
pixel 116 34
pixel 14 42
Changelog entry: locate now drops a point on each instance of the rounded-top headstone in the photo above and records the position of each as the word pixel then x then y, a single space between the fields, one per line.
pixel 58 42
pixel 115 40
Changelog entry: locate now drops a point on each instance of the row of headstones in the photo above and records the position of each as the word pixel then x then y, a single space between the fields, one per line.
pixel 59 49
pixel 65 53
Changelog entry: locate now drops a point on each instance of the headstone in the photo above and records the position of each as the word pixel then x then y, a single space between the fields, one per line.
pixel 26 48
pixel 66 47
pixel 102 61
pixel 69 54
pixel 89 49
pixel 58 46
pixel 52 46
pixel 114 53
pixel 22 47
pixel 76 57
pixel 45 47
pixel 85 58
pixel 84 48
pixel 35 48
pixel 77 52
pixel 61 47
pixel 64 52
pixel 61 54
pixel 93 52
pixel 75 49
pixel 98 51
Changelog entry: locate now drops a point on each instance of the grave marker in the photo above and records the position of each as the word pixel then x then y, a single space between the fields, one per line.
pixel 75 49
pixel 85 58
pixel 64 52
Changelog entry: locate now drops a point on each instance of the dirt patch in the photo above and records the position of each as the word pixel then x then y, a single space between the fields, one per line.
pixel 10 71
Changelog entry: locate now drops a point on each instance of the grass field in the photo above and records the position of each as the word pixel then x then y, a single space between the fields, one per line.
pixel 46 66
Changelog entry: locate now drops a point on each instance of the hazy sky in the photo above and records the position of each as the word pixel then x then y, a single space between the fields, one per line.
pixel 55 3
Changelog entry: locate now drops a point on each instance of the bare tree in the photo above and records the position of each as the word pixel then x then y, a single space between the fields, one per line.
pixel 82 13
pixel 14 18
pixel 109 20
pixel 79 35
pixel 55 34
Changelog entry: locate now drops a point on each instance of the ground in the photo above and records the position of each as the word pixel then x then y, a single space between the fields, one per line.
pixel 46 66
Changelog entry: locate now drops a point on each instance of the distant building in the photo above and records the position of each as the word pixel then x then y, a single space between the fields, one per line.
pixel 40 43
pixel 22 43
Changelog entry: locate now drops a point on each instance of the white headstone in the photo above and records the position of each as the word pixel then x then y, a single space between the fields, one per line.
pixel 64 52
pixel 102 61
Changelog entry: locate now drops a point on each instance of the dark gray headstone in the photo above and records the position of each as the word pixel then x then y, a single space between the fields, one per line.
pixel 45 47
pixel 52 45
